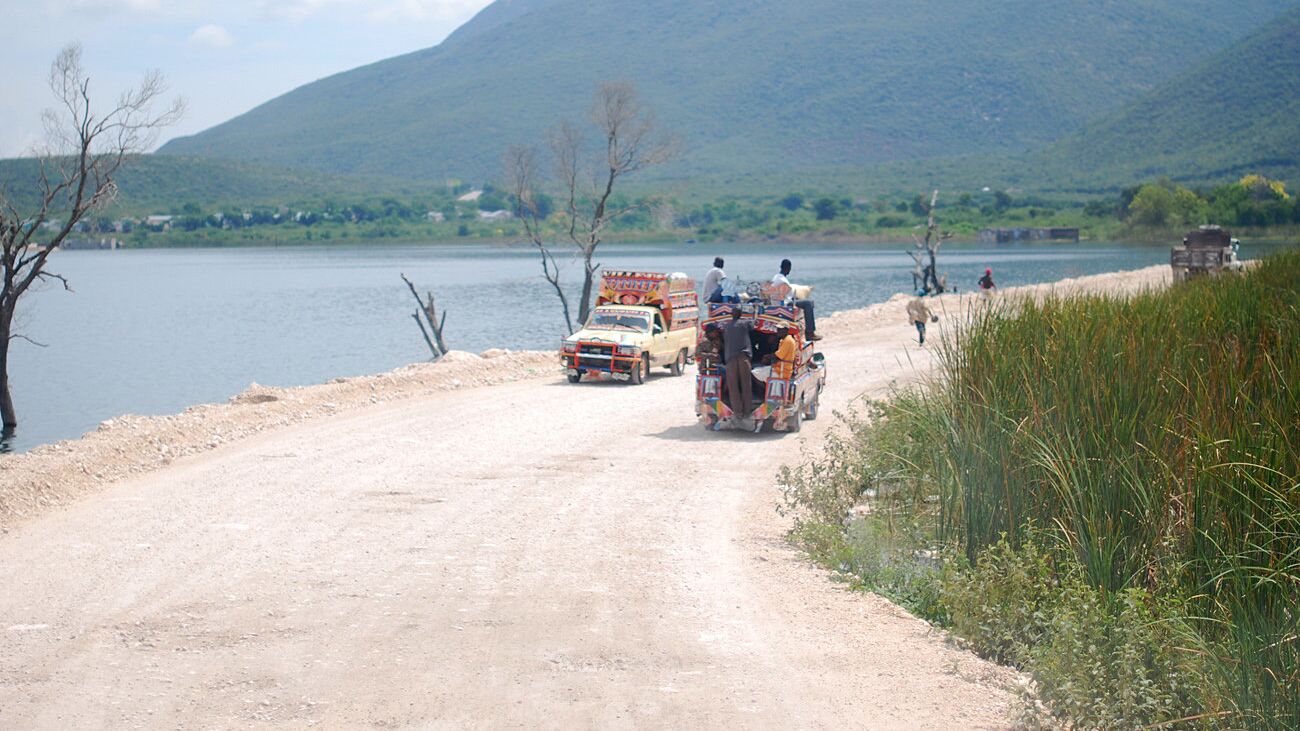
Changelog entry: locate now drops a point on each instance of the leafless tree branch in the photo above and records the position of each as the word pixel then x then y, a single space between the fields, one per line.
pixel 20 336
pixel 430 311
pixel 521 175
pixel 78 164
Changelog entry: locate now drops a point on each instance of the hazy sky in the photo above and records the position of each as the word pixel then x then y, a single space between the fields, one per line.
pixel 223 57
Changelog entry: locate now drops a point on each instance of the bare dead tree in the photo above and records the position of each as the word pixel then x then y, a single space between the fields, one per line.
pixel 630 141
pixel 83 152
pixel 521 175
pixel 925 276
pixel 428 308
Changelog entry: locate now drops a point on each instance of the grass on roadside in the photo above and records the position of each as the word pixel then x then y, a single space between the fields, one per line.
pixel 1105 492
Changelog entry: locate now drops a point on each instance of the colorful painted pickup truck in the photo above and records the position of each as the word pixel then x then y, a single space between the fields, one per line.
pixel 641 320
pixel 782 396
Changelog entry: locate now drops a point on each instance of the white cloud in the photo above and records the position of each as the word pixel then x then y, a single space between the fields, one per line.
pixel 72 6
pixel 293 10
pixel 212 36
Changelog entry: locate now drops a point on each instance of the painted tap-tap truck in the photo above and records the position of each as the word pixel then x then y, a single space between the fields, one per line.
pixel 784 394
pixel 641 320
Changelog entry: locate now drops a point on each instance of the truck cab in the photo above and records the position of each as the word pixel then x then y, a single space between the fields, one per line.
pixel 642 320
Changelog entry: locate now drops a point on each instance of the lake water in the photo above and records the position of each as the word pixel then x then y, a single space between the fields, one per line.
pixel 156 331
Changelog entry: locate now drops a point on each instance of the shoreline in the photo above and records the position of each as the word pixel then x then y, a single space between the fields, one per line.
pixel 1154 237
pixel 53 475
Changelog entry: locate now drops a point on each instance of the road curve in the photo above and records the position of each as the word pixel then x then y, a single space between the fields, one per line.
pixel 531 554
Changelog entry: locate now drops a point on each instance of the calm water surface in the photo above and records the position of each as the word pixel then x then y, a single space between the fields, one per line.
pixel 156 331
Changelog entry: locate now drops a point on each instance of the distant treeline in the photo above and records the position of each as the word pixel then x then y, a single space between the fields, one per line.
pixel 465 211
pixel 1253 201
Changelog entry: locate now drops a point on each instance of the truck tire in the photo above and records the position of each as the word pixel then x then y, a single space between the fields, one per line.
pixel 811 413
pixel 797 424
pixel 575 377
pixel 678 366
pixel 642 371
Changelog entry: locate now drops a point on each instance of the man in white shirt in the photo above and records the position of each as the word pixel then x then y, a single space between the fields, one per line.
pixel 714 278
pixel 805 305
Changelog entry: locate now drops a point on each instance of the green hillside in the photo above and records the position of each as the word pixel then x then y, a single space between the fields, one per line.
pixel 759 90
pixel 1237 113
pixel 160 183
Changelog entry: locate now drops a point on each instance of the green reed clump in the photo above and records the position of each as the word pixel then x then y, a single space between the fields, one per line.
pixel 1157 438
pixel 1151 446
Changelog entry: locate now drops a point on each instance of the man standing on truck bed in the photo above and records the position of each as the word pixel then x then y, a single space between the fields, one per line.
pixel 738 355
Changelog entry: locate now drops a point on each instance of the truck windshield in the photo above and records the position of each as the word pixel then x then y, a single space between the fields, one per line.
pixel 619 321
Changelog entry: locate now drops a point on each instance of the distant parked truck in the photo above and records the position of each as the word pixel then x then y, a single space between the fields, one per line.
pixel 1207 250
pixel 641 320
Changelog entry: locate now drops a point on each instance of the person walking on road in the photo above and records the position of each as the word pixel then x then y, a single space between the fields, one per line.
pixel 737 347
pixel 987 287
pixel 713 280
pixel 782 277
pixel 919 313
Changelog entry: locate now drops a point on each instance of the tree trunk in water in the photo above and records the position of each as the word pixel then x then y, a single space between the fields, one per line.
pixel 7 413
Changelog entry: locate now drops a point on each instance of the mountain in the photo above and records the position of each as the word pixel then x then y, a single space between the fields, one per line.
pixel 756 88
pixel 1237 113
pixel 162 183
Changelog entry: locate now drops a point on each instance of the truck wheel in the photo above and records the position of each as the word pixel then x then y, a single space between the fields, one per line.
pixel 575 377
pixel 797 424
pixel 678 366
pixel 642 371
pixel 811 413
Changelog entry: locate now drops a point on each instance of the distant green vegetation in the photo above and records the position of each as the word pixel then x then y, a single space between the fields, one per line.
pixel 1251 204
pixel 761 92
pixel 1104 492
pixel 163 183
pixel 1254 206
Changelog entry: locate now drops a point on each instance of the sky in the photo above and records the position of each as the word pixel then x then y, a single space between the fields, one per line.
pixel 224 58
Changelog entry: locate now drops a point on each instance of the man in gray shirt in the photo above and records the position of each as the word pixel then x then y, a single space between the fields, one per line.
pixel 737 352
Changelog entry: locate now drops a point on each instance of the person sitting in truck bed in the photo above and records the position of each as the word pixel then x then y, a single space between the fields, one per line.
pixel 782 278
pixel 709 352
pixel 765 345
pixel 787 352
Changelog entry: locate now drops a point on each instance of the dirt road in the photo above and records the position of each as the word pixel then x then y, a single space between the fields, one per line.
pixel 528 554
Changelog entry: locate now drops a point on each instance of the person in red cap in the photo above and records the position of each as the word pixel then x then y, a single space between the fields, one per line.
pixel 987 287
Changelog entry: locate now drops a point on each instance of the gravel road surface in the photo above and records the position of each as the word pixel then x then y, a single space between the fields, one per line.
pixel 530 553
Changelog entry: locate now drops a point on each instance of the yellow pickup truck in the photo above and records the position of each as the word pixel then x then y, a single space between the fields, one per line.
pixel 641 320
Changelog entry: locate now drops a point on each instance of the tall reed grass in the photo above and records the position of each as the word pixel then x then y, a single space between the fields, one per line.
pixel 1119 479
pixel 1154 439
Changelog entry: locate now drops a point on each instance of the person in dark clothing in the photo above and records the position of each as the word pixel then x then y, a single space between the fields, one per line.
pixel 806 305
pixel 987 287
pixel 737 348
pixel 709 353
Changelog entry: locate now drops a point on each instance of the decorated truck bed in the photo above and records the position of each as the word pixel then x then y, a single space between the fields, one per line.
pixel 641 320
pixel 780 403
